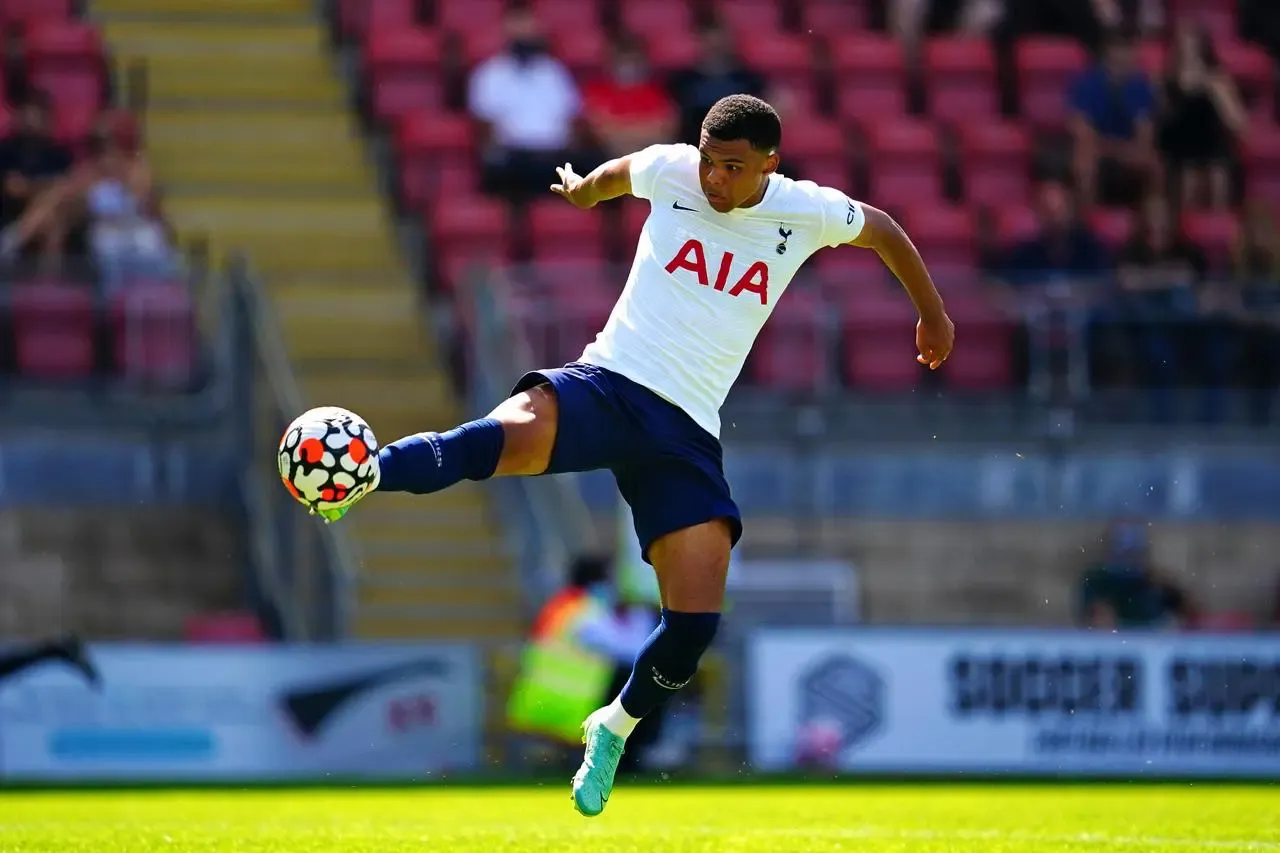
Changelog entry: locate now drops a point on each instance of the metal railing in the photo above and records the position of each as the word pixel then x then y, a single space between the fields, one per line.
pixel 547 513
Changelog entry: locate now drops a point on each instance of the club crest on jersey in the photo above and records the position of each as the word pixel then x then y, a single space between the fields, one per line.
pixel 693 257
pixel 784 233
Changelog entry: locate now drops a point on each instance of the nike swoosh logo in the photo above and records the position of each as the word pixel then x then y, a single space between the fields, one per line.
pixel 678 206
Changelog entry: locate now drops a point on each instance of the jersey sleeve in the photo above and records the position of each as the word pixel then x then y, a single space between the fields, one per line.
pixel 647 164
pixel 842 217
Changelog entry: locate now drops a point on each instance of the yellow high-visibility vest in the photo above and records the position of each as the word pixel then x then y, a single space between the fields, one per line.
pixel 560 681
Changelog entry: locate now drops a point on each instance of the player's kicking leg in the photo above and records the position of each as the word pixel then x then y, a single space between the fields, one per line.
pixel 515 439
pixel 692 565
pixel 66 650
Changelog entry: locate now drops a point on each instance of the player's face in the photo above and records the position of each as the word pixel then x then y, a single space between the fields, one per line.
pixel 733 173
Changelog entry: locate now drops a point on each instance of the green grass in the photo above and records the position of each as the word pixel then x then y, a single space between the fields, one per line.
pixel 866 819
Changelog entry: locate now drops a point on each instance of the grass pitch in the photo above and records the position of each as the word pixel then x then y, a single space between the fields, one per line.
pixel 785 819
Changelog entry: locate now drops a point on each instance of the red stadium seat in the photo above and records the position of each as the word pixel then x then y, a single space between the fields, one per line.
pixel 64 60
pixel 747 19
pixel 1112 225
pixel 154 333
pixel 1260 153
pixel 960 76
pixel 561 231
pixel 433 149
pixel 481 44
pixel 785 60
pixel 233 627
pixel 468 229
pixel 833 16
pixel 584 51
pixel 358 18
pixel 826 173
pixel 995 161
pixel 26 13
pixel 401 66
pixel 1218 17
pixel 816 143
pixel 1152 54
pixel 945 235
pixel 1016 223
pixel 1046 68
pixel 905 161
pixel 791 351
pixel 634 214
pixel 562 16
pixel 1214 232
pixel 872 76
pixel 579 315
pixel 672 51
pixel 984 363
pixel 471 16
pixel 657 18
pixel 878 346
pixel 843 270
pixel 53 330
pixel 74 121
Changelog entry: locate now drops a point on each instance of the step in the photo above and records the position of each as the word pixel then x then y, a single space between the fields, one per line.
pixel 422 529
pixel 478 599
pixel 464 497
pixel 250 9
pixel 394 408
pixel 372 325
pixel 494 564
pixel 279 82
pixel 401 627
pixel 270 35
pixel 429 550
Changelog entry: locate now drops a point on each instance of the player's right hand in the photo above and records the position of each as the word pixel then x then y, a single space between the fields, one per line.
pixel 573 187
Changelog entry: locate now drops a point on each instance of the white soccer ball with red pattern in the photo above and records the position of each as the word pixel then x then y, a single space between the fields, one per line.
pixel 328 458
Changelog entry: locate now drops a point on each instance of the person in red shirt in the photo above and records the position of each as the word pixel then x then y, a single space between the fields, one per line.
pixel 628 109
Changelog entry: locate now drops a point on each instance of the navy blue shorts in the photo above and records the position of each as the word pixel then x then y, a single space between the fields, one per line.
pixel 669 469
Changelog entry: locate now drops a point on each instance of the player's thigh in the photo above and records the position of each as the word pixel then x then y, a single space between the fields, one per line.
pixel 530 422
pixel 558 421
pixel 687 524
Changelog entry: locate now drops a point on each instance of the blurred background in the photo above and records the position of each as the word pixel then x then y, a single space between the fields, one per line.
pixel 1060 554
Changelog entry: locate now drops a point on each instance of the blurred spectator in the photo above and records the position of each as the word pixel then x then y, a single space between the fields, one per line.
pixel 1200 115
pixel 1123 590
pixel 1256 298
pixel 527 105
pixel 1063 253
pixel 111 193
pixel 1113 107
pixel 30 160
pixel 1159 274
pixel 718 73
pixel 910 19
pixel 628 109
pixel 17 85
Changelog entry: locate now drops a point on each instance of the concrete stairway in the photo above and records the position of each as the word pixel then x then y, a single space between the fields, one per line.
pixel 253 140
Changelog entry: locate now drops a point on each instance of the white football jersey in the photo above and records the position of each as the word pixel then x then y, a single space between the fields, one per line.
pixel 703 283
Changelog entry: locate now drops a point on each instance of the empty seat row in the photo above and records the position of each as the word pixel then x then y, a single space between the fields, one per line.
pixel 58 330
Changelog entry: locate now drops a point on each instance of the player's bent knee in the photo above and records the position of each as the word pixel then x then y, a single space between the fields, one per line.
pixel 529 421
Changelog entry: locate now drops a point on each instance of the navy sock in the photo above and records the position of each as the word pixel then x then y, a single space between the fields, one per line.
pixel 431 461
pixel 668 660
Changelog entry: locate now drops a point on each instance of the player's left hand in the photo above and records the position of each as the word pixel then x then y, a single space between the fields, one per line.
pixel 934 339
pixel 573 188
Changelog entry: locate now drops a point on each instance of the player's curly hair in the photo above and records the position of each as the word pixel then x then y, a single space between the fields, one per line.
pixel 744 117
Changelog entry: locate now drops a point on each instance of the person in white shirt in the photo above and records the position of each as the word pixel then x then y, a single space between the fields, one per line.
pixel 528 107
pixel 725 235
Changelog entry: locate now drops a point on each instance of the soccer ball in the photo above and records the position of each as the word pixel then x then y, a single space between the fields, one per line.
pixel 328 458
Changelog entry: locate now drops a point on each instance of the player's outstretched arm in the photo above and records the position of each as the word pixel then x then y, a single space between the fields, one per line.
pixel 606 181
pixel 935 333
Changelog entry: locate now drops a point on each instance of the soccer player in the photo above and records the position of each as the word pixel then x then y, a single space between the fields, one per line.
pixel 725 235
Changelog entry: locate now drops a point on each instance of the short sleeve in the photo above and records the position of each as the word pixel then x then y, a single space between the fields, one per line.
pixel 647 164
pixel 842 217
pixel 482 91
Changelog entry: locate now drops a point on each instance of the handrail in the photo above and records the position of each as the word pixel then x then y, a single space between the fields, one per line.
pixel 340 556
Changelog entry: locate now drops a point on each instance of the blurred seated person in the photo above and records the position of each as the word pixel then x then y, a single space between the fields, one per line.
pixel 112 194
pixel 1112 125
pixel 1123 591
pixel 1159 276
pixel 1200 116
pixel 1063 255
pixel 527 106
pixel 627 109
pixel 718 73
pixel 30 160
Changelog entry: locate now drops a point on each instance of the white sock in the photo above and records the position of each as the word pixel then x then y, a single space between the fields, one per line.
pixel 617 720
